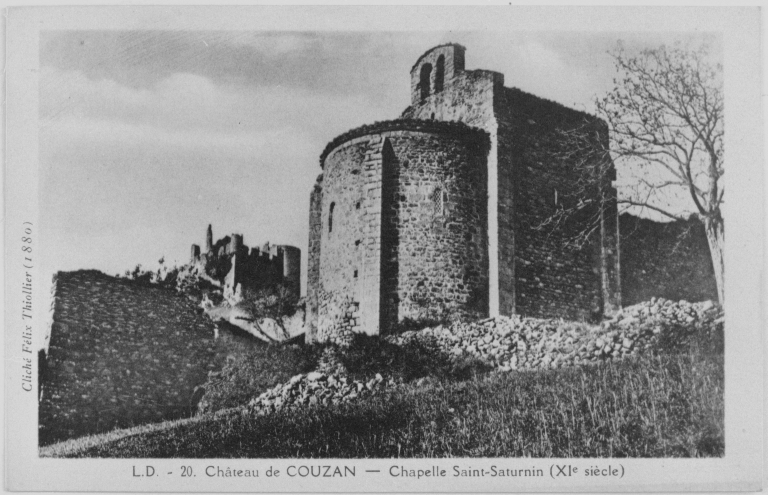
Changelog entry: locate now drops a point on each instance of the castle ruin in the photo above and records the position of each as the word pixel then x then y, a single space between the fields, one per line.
pixel 237 267
pixel 436 212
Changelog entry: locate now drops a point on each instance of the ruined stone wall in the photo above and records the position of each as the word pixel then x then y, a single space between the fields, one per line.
pixel 291 267
pixel 259 268
pixel 123 354
pixel 550 279
pixel 238 267
pixel 665 259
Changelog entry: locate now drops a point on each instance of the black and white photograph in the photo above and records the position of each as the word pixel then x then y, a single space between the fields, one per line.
pixel 384 249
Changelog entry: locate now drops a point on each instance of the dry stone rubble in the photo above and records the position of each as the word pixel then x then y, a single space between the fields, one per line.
pixel 533 343
pixel 514 343
pixel 317 388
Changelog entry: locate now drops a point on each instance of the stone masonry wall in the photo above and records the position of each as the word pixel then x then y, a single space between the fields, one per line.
pixel 388 251
pixel 232 263
pixel 123 354
pixel 522 128
pixel 313 258
pixel 468 97
pixel 551 280
pixel 437 211
pixel 451 56
pixel 341 254
pixel 665 259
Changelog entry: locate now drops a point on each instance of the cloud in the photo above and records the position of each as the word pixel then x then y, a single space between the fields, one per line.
pixel 122 165
pixel 147 136
pixel 193 102
pixel 275 43
pixel 106 181
pixel 330 63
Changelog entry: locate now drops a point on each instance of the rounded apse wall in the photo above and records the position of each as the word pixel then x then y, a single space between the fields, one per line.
pixel 404 226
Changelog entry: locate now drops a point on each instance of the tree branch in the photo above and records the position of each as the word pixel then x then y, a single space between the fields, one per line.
pixel 651 207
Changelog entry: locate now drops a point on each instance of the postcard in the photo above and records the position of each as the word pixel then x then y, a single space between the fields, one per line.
pixel 383 249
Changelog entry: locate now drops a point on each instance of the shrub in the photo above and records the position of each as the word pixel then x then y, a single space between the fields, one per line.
pixel 416 358
pixel 705 338
pixel 275 302
pixel 247 375
pixel 139 275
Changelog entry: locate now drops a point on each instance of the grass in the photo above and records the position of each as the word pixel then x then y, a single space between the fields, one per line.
pixel 368 355
pixel 246 375
pixel 654 406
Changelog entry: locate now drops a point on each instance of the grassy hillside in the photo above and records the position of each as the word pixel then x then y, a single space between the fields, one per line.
pixel 652 406
pixel 646 383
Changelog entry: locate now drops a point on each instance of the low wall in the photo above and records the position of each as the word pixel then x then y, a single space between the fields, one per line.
pixel 669 260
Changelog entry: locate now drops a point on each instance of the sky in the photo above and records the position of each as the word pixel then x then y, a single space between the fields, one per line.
pixel 146 137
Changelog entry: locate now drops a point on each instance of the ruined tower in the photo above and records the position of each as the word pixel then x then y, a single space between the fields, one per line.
pixel 233 264
pixel 439 212
pixel 209 239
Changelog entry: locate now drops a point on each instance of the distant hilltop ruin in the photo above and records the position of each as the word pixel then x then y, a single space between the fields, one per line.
pixel 237 268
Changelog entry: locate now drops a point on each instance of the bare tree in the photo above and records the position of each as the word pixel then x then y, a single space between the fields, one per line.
pixel 664 117
pixel 582 148
pixel 276 302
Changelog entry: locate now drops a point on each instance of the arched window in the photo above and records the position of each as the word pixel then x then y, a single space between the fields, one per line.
pixel 426 73
pixel 439 73
pixel 330 217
